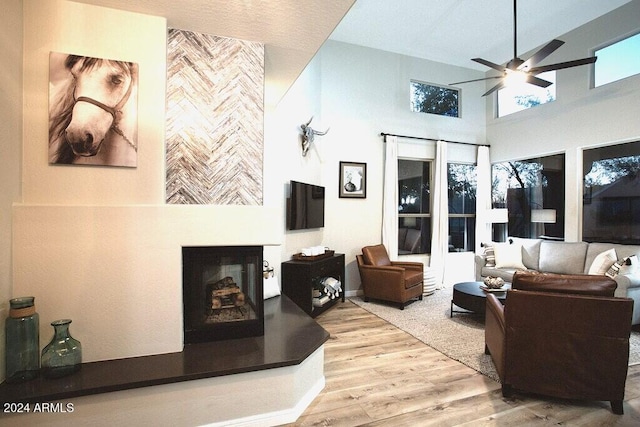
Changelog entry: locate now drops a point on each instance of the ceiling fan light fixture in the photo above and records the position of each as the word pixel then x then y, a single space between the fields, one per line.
pixel 515 78
pixel 518 71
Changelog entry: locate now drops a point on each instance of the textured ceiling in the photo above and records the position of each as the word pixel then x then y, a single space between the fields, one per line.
pixel 454 31
pixel 450 31
pixel 292 30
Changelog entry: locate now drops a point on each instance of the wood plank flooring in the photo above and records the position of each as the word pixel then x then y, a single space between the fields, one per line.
pixel 378 375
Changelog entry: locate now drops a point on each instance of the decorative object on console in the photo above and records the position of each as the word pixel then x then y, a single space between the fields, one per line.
pixel 302 257
pixel 63 355
pixel 22 345
pixel 308 136
pixel 353 180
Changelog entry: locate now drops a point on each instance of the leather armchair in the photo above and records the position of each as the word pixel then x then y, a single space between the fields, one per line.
pixel 388 280
pixel 561 335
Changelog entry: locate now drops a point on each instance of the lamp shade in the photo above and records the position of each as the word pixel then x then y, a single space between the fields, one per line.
pixel 543 215
pixel 498 216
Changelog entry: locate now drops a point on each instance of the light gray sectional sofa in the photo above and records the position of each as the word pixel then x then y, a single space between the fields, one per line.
pixel 564 258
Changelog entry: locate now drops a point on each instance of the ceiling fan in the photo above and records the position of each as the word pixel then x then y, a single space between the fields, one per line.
pixel 518 69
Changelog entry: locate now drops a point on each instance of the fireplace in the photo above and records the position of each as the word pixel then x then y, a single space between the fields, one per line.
pixel 222 293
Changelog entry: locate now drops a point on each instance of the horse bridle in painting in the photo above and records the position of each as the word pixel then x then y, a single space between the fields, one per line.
pixel 114 111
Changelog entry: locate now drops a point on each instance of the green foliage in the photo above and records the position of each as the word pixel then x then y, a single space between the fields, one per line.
pixel 432 99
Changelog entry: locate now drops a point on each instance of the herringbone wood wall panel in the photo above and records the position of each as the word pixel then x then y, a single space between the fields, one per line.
pixel 214 120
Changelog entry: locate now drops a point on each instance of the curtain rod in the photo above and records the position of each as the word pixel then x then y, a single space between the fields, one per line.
pixel 432 139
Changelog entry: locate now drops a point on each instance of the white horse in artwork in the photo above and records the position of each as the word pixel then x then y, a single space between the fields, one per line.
pixel 93 113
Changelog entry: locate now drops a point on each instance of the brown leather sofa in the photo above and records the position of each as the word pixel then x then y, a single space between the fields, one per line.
pixel 388 280
pixel 561 335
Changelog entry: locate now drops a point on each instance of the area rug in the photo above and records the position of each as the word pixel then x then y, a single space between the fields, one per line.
pixel 460 337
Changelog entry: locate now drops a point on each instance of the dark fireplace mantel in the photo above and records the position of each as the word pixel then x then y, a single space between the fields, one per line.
pixel 290 337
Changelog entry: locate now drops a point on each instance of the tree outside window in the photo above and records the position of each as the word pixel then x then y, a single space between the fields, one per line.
pixel 532 190
pixel 462 184
pixel 611 199
pixel 414 206
pixel 433 99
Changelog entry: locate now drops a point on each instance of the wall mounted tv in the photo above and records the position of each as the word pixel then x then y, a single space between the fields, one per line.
pixel 305 207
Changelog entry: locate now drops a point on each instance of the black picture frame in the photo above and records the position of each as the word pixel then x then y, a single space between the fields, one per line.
pixel 352 181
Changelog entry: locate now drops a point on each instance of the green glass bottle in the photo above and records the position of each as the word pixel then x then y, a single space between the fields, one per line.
pixel 63 355
pixel 22 342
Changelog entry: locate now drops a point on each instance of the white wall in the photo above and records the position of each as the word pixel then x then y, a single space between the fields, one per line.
pixel 365 92
pixel 580 117
pixel 97 244
pixel 10 143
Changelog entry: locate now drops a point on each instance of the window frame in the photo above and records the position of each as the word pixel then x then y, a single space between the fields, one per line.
pixel 602 231
pixel 524 200
pixel 466 216
pixel 457 90
pixel 542 76
pixel 610 43
pixel 419 216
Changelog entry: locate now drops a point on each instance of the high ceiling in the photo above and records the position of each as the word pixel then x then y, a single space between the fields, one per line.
pixel 449 31
pixel 454 31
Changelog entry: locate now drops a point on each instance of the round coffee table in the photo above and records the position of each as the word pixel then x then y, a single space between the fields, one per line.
pixel 470 296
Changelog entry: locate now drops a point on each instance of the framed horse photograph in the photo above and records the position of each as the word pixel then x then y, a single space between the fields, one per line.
pixel 93 111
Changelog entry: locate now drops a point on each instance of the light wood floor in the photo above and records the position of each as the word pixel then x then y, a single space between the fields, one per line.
pixel 378 375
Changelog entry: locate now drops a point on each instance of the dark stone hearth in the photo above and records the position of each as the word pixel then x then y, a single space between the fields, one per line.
pixel 290 337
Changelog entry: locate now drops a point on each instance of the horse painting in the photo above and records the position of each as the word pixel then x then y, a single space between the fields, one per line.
pixel 92 111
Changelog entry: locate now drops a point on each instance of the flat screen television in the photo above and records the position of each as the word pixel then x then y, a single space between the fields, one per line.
pixel 305 206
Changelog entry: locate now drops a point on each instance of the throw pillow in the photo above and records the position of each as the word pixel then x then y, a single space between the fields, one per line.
pixel 509 255
pixel 624 266
pixel 602 262
pixel 271 288
pixel 630 266
pixel 489 254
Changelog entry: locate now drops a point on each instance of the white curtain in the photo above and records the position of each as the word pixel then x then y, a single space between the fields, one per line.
pixel 483 198
pixel 390 197
pixel 440 215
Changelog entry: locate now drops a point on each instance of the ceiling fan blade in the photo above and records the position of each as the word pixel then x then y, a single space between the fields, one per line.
pixel 561 65
pixel 490 64
pixel 538 81
pixel 475 80
pixel 495 88
pixel 547 50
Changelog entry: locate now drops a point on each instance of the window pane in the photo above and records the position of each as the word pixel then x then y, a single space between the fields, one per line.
pixel 617 61
pixel 522 96
pixel 426 98
pixel 414 235
pixel 462 182
pixel 611 204
pixel 462 234
pixel 533 192
pixel 413 186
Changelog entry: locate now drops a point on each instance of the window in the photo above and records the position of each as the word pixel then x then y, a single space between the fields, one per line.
pixel 462 183
pixel 428 98
pixel 611 198
pixel 617 61
pixel 522 96
pixel 532 190
pixel 414 207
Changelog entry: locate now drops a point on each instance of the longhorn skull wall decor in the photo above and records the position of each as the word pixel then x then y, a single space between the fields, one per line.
pixel 308 135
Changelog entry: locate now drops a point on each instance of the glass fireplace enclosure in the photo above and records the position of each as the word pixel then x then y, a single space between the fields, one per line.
pixel 222 293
